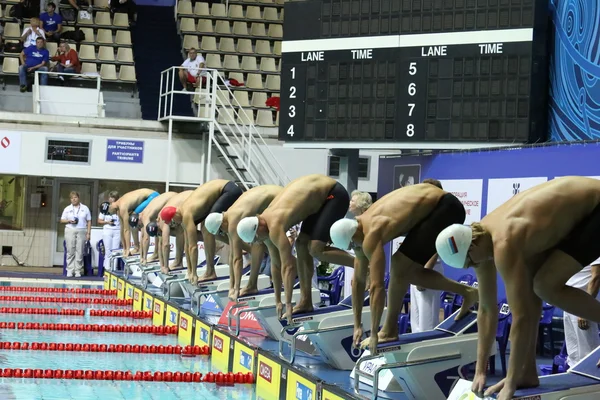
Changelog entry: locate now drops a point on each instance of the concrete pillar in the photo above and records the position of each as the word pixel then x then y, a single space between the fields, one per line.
pixel 348 167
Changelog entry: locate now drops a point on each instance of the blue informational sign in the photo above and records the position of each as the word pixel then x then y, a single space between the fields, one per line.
pixel 302 392
pixel 245 360
pixel 204 335
pixel 127 151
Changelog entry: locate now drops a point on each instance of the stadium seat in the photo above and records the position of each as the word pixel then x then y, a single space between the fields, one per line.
pixel 201 8
pixel 11 41
pixel 268 64
pixel 1 12
pixel 270 14
pixel 238 76
pixel 275 31
pixel 244 46
pixel 121 20
pixel 101 3
pixel 127 73
pixel 223 27
pixel 236 11
pixel 273 82
pixel 281 19
pixel 84 21
pixel 106 53
pixel 227 45
pixel 51 47
pixel 7 10
pixel 277 48
pixel 241 97
pixel 184 7
pixel 245 116
pixel 213 61
pixel 102 19
pixel 266 1
pixel 253 12
pixel 10 65
pixel 277 119
pixel 204 26
pixel 223 97
pixel 218 10
pixel 87 52
pixel 263 47
pixel 187 25
pixel 190 41
pixel 125 55
pixel 231 62
pixel 255 82
pixel 108 72
pixel 123 38
pixel 209 43
pixel 258 29
pixel 105 36
pixel 264 118
pixel 226 115
pixel 249 63
pixel 89 68
pixel 89 35
pixel 240 28
pixel 12 30
pixel 259 99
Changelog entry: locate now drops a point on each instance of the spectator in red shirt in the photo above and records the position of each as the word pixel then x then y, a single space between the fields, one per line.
pixel 67 60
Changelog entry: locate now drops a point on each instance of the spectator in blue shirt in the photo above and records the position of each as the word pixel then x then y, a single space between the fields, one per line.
pixel 52 23
pixel 34 58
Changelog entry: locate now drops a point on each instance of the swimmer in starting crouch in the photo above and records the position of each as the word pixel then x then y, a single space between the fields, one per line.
pixel 165 231
pixel 252 202
pixel 147 219
pixel 536 240
pixel 317 201
pixel 419 212
pixel 213 196
pixel 124 207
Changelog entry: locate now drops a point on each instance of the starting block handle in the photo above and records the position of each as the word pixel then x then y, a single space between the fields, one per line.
pixel 236 330
pixel 166 286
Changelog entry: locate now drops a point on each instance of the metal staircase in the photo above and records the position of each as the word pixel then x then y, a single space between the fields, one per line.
pixel 231 134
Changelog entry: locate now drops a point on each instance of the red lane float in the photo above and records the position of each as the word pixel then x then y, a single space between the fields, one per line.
pixel 72 300
pixel 102 292
pixel 48 311
pixel 110 348
pixel 156 330
pixel 221 379
pixel 121 313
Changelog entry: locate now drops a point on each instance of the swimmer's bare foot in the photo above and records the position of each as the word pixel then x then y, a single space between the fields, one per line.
pixel 152 258
pixel 175 266
pixel 234 294
pixel 208 277
pixel 134 252
pixel 248 291
pixel 302 307
pixel 469 300
pixel 164 270
pixel 385 337
pixel 193 278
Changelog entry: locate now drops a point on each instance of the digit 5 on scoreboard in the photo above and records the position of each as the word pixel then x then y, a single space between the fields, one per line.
pixel 411 109
pixel 292 103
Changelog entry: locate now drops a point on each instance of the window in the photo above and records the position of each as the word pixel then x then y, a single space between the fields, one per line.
pixel 12 202
pixel 363 167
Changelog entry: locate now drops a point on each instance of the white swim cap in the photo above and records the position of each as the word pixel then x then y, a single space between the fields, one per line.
pixel 452 245
pixel 247 228
pixel 341 232
pixel 213 222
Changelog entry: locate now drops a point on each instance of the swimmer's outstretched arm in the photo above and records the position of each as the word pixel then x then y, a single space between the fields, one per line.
pixel 275 270
pixel 487 321
pixel 288 263
pixel 359 285
pixel 377 289
pixel 237 258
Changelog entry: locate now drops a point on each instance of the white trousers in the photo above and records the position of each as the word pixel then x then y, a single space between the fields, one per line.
pixel 580 343
pixel 75 239
pixel 112 241
pixel 424 309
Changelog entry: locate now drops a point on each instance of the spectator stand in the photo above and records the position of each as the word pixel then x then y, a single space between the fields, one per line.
pixel 243 41
pixel 106 50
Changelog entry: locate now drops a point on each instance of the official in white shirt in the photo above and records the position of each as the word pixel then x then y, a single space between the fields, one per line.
pixel 78 221
pixel 425 303
pixel 581 336
pixel 192 73
pixel 111 227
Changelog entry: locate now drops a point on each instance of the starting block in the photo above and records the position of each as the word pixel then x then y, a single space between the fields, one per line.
pixel 423 365
pixel 581 382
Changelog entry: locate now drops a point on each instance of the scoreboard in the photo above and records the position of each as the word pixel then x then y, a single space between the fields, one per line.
pixel 414 71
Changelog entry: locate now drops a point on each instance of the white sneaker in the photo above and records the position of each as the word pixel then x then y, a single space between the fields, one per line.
pixel 69 274
pixel 77 274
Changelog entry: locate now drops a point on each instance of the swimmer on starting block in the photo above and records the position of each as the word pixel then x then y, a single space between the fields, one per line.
pixel 146 221
pixel 317 201
pixel 418 212
pixel 213 196
pixel 126 205
pixel 536 240
pixel 252 202
pixel 165 231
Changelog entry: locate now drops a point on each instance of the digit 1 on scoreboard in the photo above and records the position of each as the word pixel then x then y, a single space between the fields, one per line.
pixel 412 91
pixel 292 108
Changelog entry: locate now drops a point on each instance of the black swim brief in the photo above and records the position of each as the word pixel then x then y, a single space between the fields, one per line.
pixel 317 226
pixel 419 244
pixel 230 193
pixel 582 242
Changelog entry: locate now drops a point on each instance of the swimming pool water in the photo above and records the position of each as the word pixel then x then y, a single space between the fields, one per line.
pixel 62 389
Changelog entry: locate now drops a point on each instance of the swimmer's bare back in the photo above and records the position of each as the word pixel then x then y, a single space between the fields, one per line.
pixel 130 200
pixel 396 213
pixel 150 213
pixel 537 219
pixel 201 200
pixel 299 199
